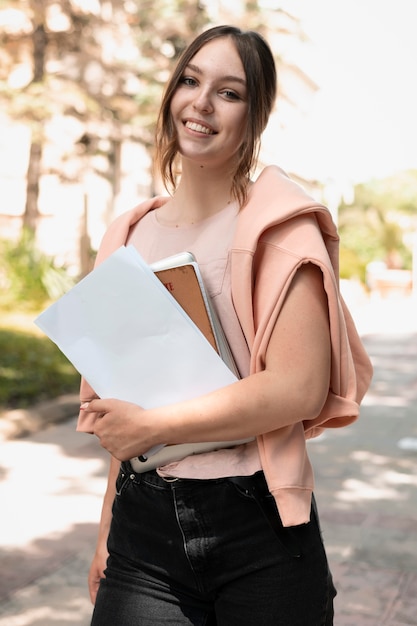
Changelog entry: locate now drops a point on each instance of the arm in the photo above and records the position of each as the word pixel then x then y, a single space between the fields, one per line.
pixel 98 564
pixel 293 386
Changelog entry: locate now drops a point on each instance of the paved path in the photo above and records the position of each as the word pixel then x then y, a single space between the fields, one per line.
pixel 51 485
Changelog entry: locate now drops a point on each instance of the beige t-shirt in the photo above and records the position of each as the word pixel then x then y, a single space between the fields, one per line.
pixel 209 241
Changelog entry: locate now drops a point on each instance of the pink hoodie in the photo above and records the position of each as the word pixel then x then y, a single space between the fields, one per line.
pixel 278 230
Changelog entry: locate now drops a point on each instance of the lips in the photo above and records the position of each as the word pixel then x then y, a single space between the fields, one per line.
pixel 199 128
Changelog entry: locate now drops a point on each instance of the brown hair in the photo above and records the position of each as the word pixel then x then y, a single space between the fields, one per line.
pixel 259 66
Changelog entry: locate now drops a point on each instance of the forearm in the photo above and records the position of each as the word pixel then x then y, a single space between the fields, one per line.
pixel 253 406
pixel 99 562
pixel 106 510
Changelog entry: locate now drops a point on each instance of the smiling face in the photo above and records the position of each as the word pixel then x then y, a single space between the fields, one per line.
pixel 209 107
pixel 243 55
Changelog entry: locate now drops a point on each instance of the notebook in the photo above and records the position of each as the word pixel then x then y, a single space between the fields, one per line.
pixel 182 277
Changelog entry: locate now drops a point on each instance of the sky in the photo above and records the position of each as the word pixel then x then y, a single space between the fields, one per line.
pixel 363 121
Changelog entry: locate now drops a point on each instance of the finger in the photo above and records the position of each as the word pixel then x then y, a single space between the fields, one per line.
pixel 94 406
pixel 93 589
pixel 93 585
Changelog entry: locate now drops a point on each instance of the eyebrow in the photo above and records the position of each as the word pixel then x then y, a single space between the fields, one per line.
pixel 229 77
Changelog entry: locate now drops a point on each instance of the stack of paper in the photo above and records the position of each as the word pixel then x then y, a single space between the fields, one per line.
pixel 131 340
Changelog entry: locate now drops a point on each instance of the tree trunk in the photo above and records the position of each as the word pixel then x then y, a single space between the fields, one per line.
pixel 39 45
pixel 31 213
pixel 40 42
pixel 86 257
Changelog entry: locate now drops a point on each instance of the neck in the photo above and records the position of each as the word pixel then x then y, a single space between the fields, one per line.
pixel 202 192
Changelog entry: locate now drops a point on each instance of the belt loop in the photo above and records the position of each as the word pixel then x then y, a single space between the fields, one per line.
pixel 127 469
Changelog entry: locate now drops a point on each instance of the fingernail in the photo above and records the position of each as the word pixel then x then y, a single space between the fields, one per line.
pixel 84 406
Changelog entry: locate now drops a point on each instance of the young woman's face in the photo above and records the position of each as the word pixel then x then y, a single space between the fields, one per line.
pixel 209 107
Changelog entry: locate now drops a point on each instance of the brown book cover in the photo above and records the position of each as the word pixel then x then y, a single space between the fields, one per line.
pixel 181 276
pixel 183 284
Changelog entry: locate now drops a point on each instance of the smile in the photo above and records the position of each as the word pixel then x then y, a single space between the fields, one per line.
pixel 199 128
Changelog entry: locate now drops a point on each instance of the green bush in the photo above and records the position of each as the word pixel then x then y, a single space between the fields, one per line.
pixel 29 279
pixel 351 265
pixel 32 369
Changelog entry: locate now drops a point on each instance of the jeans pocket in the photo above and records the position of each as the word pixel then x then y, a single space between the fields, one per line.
pixel 122 481
pixel 267 506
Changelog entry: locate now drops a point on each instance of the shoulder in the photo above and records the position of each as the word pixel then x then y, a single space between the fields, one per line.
pixel 118 231
pixel 273 179
pixel 130 217
pixel 274 202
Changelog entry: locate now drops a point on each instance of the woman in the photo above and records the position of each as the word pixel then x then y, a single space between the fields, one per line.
pixel 230 536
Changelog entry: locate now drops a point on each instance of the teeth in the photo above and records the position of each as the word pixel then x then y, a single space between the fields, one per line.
pixel 198 128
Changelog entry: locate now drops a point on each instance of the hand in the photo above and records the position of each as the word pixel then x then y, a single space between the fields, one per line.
pixel 119 427
pixel 96 573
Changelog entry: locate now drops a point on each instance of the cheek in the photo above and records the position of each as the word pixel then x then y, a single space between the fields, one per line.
pixel 173 109
pixel 240 128
pixel 177 103
pixel 244 120
pixel 239 118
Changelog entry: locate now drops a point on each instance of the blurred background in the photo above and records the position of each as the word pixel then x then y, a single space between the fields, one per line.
pixel 80 87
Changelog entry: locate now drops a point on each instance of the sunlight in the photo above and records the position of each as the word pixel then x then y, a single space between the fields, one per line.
pixel 50 614
pixel 381 484
pixel 75 484
pixel 373 399
pixel 355 490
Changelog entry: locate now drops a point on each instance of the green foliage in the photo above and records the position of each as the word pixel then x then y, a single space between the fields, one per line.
pixel 375 226
pixel 32 369
pixel 112 63
pixel 394 193
pixel 29 279
pixel 351 265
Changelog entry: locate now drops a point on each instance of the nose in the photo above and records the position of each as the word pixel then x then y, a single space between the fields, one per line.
pixel 203 101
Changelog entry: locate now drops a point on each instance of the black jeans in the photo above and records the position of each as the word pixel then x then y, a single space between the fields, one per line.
pixel 200 552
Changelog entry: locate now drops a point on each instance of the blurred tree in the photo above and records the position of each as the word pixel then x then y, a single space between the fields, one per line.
pixel 375 226
pixel 102 63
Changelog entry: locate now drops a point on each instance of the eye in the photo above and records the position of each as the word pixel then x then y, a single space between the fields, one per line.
pixel 189 81
pixel 230 95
